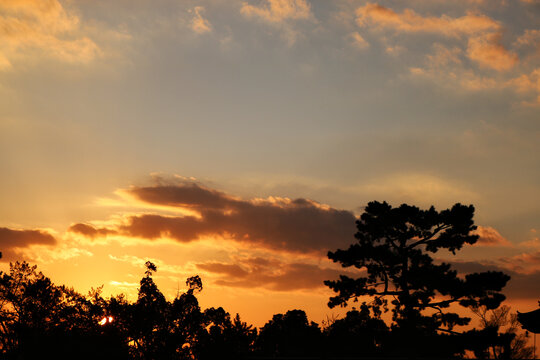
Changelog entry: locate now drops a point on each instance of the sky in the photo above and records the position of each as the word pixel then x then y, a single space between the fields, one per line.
pixel 239 140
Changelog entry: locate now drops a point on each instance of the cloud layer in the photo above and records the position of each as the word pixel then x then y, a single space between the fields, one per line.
pixel 13 239
pixel 297 225
pixel 42 27
pixel 271 275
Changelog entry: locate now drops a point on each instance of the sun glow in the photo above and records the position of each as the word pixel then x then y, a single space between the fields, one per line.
pixel 106 320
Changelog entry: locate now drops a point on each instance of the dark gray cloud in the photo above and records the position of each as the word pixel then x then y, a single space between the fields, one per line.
pixel 272 275
pixel 520 286
pixel 90 231
pixel 186 194
pixel 11 239
pixel 299 225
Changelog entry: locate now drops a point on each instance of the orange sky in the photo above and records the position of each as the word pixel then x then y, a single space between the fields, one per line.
pixel 238 140
pixel 256 256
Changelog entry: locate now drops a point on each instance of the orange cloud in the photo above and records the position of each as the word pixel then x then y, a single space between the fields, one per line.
pixel 358 41
pixel 483 33
pixel 409 21
pixel 199 24
pixel 525 263
pixel 277 11
pixel 530 38
pixel 488 52
pixel 27 26
pixel 488 236
pixel 280 14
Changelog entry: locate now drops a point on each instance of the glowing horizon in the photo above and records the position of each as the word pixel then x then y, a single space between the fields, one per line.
pixel 239 140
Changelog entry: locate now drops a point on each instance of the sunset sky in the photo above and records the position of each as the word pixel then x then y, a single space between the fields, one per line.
pixel 238 140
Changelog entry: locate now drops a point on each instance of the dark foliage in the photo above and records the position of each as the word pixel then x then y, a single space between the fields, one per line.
pixel 289 335
pixel 394 246
pixel 357 333
pixel 40 320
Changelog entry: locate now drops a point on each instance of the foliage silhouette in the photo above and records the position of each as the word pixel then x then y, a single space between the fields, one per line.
pixel 290 335
pixel 357 333
pixel 39 319
pixel 394 246
pixel 498 337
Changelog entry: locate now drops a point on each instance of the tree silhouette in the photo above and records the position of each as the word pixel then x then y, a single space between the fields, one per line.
pixel 394 246
pixel 498 337
pixel 223 338
pixel 357 333
pixel 41 320
pixel 290 334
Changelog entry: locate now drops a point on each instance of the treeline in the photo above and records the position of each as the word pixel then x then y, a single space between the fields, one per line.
pixel 39 319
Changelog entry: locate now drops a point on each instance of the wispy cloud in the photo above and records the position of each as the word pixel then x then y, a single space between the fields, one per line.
pixel 280 14
pixel 483 33
pixel 487 51
pixel 199 24
pixel 358 41
pixel 42 27
pixel 378 16
pixel 277 11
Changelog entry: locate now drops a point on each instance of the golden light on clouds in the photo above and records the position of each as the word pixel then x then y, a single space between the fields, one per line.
pixel 43 28
pixel 376 15
pixel 276 11
pixel 487 51
pixel 199 24
pixel 294 113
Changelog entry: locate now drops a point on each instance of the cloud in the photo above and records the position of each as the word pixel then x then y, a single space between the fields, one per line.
pixel 277 11
pixel 12 240
pixel 530 38
pixel 524 263
pixel 409 21
pixel 527 84
pixel 521 285
pixel 124 285
pixel 445 67
pixel 358 41
pixel 64 251
pixel 443 56
pixel 534 242
pixel 418 188
pixel 483 33
pixel 280 14
pixel 231 270
pixel 297 225
pixel 139 263
pixel 487 51
pixel 488 236
pixel 90 231
pixel 199 24
pixel 271 275
pixel 42 27
pixel 183 193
